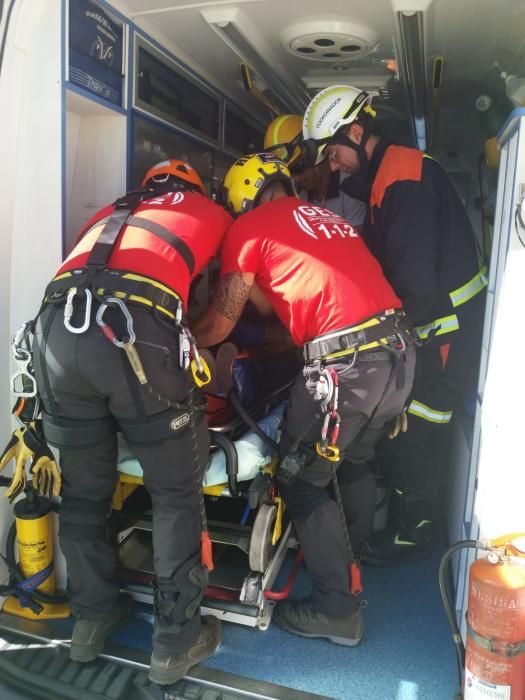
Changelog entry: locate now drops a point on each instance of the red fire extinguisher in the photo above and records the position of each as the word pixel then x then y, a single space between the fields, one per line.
pixel 494 662
pixel 495 653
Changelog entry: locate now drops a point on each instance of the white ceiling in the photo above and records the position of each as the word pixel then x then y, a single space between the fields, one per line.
pixel 471 35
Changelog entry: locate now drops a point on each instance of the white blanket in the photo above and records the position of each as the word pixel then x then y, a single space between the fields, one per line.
pixel 253 453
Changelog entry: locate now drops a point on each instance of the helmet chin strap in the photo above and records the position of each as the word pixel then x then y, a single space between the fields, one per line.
pixel 344 140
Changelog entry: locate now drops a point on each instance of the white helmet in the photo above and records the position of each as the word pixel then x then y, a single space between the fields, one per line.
pixel 331 109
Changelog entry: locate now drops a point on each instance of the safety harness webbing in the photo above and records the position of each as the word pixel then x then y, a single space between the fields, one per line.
pixel 123 216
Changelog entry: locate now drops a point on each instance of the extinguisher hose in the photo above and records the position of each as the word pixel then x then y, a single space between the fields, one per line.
pixel 447 603
pixel 14 569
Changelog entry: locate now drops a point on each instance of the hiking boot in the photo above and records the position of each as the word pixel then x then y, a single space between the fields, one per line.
pixel 89 636
pixel 300 617
pixel 393 546
pixel 165 670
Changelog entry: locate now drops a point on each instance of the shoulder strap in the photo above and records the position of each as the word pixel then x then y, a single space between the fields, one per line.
pixel 122 216
pixel 107 239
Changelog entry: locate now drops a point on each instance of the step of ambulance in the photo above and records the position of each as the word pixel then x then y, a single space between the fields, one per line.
pixel 34 660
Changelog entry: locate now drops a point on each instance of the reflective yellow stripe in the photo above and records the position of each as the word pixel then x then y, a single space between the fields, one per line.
pixel 470 289
pixel 276 128
pixel 419 409
pixel 446 324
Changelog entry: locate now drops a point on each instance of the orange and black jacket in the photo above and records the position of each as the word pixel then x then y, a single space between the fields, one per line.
pixel 418 229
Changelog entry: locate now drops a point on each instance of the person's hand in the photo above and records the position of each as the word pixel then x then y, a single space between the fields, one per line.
pixel 397 425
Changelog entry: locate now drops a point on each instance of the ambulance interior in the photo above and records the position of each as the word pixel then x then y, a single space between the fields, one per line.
pixel 85 114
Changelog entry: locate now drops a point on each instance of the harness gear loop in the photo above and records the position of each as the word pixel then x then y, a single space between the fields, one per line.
pixel 68 311
pixel 23 383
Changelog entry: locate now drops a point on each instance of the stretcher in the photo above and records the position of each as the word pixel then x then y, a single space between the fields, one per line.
pixel 247 522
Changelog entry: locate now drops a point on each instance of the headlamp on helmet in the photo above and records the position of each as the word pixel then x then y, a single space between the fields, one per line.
pixel 247 178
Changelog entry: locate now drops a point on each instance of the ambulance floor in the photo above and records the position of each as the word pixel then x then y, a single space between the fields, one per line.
pixel 406 653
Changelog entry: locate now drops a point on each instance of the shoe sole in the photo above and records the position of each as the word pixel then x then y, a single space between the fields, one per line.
pixel 175 674
pixel 84 653
pixel 341 641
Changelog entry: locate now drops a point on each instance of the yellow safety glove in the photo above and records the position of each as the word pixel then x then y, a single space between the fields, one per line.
pixel 46 477
pixel 18 450
pixel 397 425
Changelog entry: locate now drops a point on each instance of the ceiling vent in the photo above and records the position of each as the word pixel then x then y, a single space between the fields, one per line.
pixel 329 40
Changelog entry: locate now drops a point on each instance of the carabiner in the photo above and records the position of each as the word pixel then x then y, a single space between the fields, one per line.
pixel 68 311
pixel 107 330
pixel 28 389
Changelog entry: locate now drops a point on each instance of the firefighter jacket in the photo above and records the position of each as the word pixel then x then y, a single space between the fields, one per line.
pixel 418 229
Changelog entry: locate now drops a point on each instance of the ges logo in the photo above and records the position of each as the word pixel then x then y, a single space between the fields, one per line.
pixel 317 223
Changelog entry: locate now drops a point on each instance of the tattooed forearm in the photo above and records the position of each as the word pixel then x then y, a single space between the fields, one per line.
pixel 231 296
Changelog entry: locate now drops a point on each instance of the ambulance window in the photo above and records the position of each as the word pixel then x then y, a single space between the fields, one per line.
pixel 166 93
pixel 153 142
pixel 240 136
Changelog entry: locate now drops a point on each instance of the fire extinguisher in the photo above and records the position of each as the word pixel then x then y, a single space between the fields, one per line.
pixel 494 660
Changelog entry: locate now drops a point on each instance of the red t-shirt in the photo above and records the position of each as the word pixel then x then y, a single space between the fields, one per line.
pixel 196 220
pixel 311 264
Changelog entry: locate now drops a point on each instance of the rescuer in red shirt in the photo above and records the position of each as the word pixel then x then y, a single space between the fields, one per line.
pixel 112 354
pixel 330 294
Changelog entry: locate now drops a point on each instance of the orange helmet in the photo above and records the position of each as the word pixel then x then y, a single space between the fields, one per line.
pixel 179 169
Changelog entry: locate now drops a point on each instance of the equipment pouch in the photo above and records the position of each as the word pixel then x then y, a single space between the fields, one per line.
pixel 291 467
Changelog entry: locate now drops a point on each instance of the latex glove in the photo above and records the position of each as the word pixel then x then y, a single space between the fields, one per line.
pixel 397 425
pixel 18 450
pixel 46 477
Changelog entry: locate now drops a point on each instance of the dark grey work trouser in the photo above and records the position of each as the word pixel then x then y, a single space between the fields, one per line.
pixel 368 399
pixel 84 377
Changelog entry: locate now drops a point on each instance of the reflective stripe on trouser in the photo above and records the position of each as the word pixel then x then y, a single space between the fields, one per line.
pixel 361 389
pixel 90 378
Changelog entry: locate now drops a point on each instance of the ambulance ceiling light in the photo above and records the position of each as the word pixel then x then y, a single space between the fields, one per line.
pixel 329 39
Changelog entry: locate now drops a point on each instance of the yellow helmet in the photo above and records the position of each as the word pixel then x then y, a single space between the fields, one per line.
pixel 248 177
pixel 282 137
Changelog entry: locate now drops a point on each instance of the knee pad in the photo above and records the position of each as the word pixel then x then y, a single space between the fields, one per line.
pixel 178 598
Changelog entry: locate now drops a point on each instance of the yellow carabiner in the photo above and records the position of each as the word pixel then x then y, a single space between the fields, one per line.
pixel 200 378
pixel 330 452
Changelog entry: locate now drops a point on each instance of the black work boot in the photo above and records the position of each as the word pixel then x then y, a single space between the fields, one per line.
pixel 409 536
pixel 300 617
pixel 165 670
pixel 89 636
